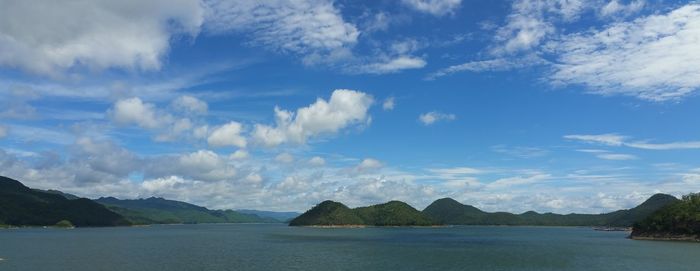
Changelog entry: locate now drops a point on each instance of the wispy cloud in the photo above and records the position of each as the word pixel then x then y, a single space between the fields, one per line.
pixel 620 140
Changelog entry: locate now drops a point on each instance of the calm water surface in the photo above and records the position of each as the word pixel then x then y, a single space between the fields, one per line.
pixel 278 247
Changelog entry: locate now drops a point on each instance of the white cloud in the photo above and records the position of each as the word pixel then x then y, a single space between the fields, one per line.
pixel 619 140
pixel 3 131
pixel 529 23
pixel 434 7
pixel 228 135
pixel 393 65
pixel 664 146
pixel 50 37
pixel 606 139
pixel 189 104
pixel 654 58
pixel 456 171
pixel 284 158
pixel 492 65
pixel 515 181
pixel 313 28
pixel 617 156
pixel 345 108
pixel 432 117
pixel 135 111
pixel 389 104
pixel 614 7
pixel 369 164
pixel 317 161
pixel 239 155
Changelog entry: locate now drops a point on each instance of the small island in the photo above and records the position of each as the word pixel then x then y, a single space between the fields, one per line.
pixel 679 221
pixel 335 214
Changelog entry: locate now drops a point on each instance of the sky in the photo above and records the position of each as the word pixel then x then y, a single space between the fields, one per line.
pixel 515 105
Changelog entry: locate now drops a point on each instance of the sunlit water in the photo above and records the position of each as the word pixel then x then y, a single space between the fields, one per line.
pixel 278 247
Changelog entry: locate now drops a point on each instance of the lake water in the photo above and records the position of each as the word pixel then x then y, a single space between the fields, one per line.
pixel 278 247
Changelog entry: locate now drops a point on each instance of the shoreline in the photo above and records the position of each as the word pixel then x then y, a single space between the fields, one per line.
pixel 672 238
pixel 367 226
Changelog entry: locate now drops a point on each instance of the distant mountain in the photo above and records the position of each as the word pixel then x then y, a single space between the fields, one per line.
pixel 449 211
pixel 279 216
pixel 23 206
pixel 679 220
pixel 393 213
pixel 162 211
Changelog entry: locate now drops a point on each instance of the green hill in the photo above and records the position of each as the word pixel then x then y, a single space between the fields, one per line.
pixel 449 211
pixel 162 211
pixel 679 220
pixel 393 213
pixel 23 206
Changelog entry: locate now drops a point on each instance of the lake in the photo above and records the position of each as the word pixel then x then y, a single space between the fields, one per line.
pixel 278 247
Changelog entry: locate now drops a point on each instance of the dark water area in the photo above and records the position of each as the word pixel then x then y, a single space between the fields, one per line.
pixel 278 247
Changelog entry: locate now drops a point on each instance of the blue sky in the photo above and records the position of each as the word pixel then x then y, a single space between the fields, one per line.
pixel 562 106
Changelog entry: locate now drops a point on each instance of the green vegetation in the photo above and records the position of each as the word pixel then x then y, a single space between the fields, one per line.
pixel 449 211
pixel 22 206
pixel 64 224
pixel 393 213
pixel 162 211
pixel 328 213
pixel 679 220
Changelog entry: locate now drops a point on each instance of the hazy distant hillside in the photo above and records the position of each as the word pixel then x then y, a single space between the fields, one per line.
pixel 162 211
pixel 279 216
pixel 393 213
pixel 449 211
pixel 22 206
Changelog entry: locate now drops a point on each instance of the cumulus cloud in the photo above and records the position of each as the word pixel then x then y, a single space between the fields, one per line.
pixel 189 104
pixel 312 28
pixel 434 7
pixel 284 158
pixel 228 135
pixel 202 165
pixel 135 111
pixel 168 127
pixel 369 164
pixel 620 140
pixel 653 58
pixel 239 155
pixel 49 37
pixel 317 161
pixel 344 108
pixel 434 116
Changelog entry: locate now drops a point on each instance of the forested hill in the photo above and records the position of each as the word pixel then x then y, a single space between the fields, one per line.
pixel 449 211
pixel 23 206
pixel 679 220
pixel 393 213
